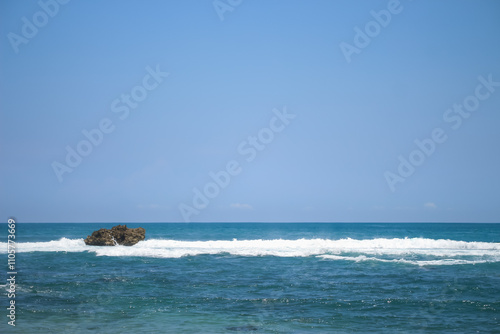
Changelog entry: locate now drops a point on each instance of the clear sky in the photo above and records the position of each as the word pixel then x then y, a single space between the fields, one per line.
pixel 312 111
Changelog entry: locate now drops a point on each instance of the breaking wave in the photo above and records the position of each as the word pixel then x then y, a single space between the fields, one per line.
pixel 417 251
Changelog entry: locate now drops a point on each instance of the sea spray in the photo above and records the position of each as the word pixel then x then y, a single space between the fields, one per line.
pixel 403 250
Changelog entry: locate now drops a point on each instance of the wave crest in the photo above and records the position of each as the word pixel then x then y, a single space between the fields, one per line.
pixel 420 251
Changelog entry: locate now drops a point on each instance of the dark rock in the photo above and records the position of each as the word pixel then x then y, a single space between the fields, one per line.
pixel 101 237
pixel 118 235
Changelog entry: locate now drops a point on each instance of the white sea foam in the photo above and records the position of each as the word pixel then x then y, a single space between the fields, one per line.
pixel 442 262
pixel 61 245
pixel 426 251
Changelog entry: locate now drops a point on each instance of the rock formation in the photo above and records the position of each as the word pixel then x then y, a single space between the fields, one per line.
pixel 118 235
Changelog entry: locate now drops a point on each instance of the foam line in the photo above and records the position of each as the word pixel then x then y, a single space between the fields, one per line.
pixel 428 251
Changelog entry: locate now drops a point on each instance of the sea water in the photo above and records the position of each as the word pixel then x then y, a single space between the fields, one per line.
pixel 257 277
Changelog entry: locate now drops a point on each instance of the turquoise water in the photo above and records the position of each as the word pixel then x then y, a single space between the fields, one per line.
pixel 258 278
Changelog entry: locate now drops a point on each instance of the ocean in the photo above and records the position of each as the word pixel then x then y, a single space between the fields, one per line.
pixel 255 278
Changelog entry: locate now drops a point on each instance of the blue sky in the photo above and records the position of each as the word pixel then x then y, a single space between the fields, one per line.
pixel 174 90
